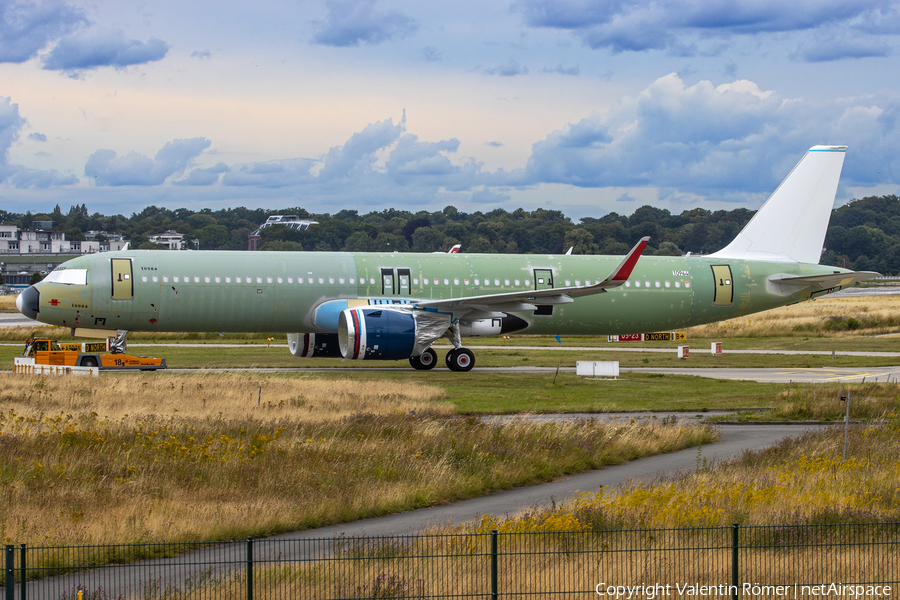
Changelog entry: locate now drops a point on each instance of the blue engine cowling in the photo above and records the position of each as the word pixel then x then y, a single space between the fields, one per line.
pixel 317 345
pixel 376 334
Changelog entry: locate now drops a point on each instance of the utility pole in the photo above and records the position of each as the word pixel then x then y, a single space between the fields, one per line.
pixel 846 398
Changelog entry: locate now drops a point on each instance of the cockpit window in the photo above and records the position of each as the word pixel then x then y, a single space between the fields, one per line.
pixel 68 276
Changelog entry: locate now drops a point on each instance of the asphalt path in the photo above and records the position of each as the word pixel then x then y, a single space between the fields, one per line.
pixel 774 375
pixel 304 545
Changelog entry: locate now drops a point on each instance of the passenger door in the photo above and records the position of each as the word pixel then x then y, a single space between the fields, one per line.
pixel 122 279
pixel 724 285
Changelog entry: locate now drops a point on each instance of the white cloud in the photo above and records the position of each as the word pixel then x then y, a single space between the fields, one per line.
pixel 106 168
pixel 93 49
pixel 11 124
pixel 635 25
pixel 711 141
pixel 510 68
pixel 27 27
pixel 352 22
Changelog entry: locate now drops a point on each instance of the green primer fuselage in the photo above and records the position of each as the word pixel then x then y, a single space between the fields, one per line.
pixel 280 291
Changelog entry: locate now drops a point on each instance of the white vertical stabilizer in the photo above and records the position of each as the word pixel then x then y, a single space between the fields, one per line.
pixel 791 225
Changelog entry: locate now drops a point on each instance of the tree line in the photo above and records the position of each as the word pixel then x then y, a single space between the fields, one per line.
pixel 864 234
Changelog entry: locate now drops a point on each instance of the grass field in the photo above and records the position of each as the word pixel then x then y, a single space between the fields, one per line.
pixel 122 459
pixel 800 480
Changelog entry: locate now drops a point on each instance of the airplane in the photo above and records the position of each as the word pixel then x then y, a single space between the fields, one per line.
pixel 395 306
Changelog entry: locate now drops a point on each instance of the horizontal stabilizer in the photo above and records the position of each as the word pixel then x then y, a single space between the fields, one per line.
pixel 789 284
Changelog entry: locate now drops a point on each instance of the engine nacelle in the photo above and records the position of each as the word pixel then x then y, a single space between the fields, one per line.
pixel 493 326
pixel 316 345
pixel 376 333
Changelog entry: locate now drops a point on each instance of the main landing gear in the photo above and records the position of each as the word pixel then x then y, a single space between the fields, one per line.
pixel 425 362
pixel 458 359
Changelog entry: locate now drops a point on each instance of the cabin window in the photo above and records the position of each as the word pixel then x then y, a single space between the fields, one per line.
pixel 527 283
pixel 424 281
pixel 657 284
pixel 477 281
pixel 687 284
pixel 309 279
pixel 517 282
pixel 446 281
pixel 331 280
pixel 371 281
pixel 228 279
pixel 668 284
pixel 506 282
pixel 155 279
pixel 340 280
pixel 196 279
pixel 321 280
pixel 568 282
pixel 637 284
pixel 268 279
pixel 497 282
pixel 627 284
pixel 353 280
pixel 259 280
pixel 577 283
pixel 678 284
pixel 280 280
pixel 456 281
pixel 647 284
pixel 206 279
pixel 415 281
pixel 175 278
pixel 144 278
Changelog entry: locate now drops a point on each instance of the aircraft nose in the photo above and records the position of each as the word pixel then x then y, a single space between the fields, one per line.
pixel 28 302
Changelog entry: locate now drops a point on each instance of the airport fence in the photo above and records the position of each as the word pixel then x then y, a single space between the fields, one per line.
pixel 836 560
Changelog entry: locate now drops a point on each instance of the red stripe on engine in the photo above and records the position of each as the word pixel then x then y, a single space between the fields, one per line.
pixel 356 333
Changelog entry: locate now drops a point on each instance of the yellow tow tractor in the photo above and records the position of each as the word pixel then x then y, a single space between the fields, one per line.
pixel 102 355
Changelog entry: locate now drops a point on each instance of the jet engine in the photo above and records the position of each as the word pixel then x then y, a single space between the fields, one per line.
pixel 376 333
pixel 318 345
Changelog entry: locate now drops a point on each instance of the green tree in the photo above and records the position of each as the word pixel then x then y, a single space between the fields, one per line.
pixel 35 277
pixel 581 241
pixel 282 246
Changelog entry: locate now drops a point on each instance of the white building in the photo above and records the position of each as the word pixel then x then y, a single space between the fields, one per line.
pixel 44 240
pixel 171 240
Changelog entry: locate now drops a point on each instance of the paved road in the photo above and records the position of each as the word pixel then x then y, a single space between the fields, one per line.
pixel 735 439
pixel 16 320
pixel 821 375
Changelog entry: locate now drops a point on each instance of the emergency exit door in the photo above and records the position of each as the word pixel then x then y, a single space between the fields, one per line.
pixel 724 285
pixel 122 279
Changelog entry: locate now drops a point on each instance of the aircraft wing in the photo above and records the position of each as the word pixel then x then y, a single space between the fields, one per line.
pixel 526 300
pixel 824 282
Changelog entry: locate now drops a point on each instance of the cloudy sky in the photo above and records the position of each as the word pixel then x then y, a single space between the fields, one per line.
pixel 578 105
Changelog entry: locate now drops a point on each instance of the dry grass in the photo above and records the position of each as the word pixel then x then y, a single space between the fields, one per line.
pixel 8 303
pixel 828 316
pixel 127 458
pixel 868 401
pixel 223 396
pixel 801 480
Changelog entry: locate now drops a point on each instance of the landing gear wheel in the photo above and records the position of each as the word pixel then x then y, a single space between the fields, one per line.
pixel 460 359
pixel 425 362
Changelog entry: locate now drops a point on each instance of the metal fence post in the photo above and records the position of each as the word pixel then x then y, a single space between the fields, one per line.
pixel 735 543
pixel 494 564
pixel 249 568
pixel 22 586
pixel 10 572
